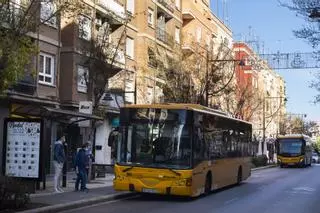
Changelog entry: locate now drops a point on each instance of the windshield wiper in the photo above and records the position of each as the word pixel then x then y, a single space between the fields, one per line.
pixel 165 167
pixel 127 169
pixel 177 173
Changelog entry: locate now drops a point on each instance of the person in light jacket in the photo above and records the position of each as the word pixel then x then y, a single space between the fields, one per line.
pixel 59 158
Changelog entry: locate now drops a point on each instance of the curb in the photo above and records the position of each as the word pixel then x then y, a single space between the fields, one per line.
pixel 264 167
pixel 80 203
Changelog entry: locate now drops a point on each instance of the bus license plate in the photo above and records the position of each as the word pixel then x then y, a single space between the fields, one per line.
pixel 153 191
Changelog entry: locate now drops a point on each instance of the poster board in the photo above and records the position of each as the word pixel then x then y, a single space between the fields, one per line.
pixel 22 148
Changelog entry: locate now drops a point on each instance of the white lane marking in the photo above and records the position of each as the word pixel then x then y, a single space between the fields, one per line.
pixel 100 204
pixel 301 190
pixel 304 188
pixel 231 201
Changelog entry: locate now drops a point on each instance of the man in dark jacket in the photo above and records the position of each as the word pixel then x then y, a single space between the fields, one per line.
pixel 81 165
pixel 59 158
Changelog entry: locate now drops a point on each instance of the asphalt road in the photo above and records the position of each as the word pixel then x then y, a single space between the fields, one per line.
pixel 274 190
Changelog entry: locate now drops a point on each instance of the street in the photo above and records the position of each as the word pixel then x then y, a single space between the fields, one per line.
pixel 288 190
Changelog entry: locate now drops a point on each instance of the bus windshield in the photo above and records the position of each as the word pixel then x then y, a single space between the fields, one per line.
pixel 290 147
pixel 155 138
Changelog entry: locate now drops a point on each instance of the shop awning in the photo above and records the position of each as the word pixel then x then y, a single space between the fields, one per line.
pixel 57 114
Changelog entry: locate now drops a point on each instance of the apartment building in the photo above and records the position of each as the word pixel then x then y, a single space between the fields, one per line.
pixel 247 82
pixel 205 41
pixel 37 95
pixel 273 108
pixel 159 25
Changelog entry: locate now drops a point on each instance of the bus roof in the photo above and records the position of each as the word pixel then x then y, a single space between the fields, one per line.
pixel 293 136
pixel 185 106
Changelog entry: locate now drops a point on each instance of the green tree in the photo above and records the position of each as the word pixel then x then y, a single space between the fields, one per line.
pixel 19 23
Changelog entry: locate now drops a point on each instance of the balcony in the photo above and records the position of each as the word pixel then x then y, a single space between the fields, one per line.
pixel 119 56
pixel 165 37
pixel 188 44
pixel 168 4
pixel 26 85
pixel 114 7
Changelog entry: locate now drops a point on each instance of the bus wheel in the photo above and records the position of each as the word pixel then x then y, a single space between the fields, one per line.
pixel 281 165
pixel 208 183
pixel 239 177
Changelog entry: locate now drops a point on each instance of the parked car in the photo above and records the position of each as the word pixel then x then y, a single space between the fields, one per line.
pixel 315 157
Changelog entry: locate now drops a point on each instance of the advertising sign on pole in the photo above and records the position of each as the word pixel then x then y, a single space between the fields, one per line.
pixel 22 148
pixel 85 107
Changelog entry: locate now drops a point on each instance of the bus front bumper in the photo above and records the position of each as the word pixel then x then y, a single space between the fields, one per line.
pixel 163 188
pixel 290 161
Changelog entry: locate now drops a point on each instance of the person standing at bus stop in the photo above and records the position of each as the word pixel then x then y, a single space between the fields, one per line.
pixel 59 158
pixel 81 164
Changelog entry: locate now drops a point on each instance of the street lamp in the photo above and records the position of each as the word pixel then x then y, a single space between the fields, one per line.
pixel 298 115
pixel 315 13
pixel 241 63
pixel 264 118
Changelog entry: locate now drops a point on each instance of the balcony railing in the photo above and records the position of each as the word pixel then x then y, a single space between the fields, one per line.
pixel 114 7
pixel 26 85
pixel 169 4
pixel 165 37
pixel 120 56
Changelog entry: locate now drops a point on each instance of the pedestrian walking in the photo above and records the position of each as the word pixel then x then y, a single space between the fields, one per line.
pixel 90 159
pixel 271 156
pixel 59 158
pixel 81 165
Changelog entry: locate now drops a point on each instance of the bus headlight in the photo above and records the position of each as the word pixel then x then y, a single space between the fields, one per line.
pixel 184 182
pixel 279 160
pixel 301 160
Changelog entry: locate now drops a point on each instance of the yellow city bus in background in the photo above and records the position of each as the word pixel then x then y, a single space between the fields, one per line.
pixel 294 150
pixel 180 149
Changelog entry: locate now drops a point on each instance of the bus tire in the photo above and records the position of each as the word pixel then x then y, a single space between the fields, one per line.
pixel 239 176
pixel 208 184
pixel 281 165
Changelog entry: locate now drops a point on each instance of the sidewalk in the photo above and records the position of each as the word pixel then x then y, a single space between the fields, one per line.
pixel 71 178
pixel 47 200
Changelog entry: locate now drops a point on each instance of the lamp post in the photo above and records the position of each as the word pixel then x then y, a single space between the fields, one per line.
pixel 298 115
pixel 264 118
pixel 315 13
pixel 240 63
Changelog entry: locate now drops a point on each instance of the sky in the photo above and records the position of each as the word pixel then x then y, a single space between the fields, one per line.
pixel 273 26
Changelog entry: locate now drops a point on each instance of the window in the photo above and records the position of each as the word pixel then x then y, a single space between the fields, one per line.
pixel 130 6
pixel 47 13
pixel 208 41
pixel 47 69
pixel 84 27
pixel 150 17
pixel 177 35
pixel 83 74
pixel 178 4
pixel 130 47
pixel 199 31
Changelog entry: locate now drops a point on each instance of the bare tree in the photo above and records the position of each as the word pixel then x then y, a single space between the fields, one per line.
pixel 303 9
pixel 246 104
pixel 102 55
pixel 195 78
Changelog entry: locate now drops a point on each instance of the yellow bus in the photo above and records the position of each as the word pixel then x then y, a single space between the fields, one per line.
pixel 180 149
pixel 294 150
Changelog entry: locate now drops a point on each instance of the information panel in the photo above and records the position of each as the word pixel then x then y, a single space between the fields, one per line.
pixel 22 148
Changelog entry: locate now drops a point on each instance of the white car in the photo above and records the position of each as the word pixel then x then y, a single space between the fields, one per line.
pixel 315 158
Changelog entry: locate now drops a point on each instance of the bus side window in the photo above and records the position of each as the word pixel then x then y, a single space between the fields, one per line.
pixel 199 146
